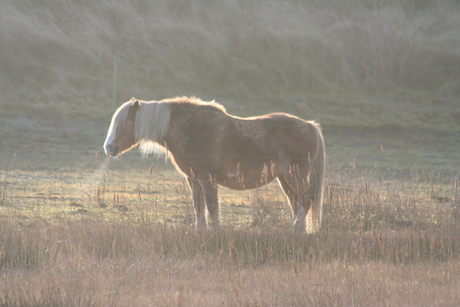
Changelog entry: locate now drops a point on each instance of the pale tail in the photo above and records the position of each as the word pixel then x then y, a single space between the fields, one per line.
pixel 317 183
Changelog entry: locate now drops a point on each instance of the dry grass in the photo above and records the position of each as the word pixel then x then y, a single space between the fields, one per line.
pixel 125 238
pixel 137 265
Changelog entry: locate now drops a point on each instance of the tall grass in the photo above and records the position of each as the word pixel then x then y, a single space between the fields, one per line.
pixel 117 240
pixel 121 264
pixel 63 54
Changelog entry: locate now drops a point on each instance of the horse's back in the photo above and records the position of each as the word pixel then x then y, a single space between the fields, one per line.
pixel 276 135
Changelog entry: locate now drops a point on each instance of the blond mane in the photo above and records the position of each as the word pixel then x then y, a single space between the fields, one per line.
pixel 151 125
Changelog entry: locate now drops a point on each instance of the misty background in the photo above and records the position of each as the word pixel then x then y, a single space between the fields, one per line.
pixel 352 64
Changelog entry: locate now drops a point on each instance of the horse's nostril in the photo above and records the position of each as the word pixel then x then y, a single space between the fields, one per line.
pixel 112 150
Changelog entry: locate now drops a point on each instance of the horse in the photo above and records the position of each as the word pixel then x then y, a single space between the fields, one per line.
pixel 211 147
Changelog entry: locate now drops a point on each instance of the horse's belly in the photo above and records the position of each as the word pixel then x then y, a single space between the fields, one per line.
pixel 237 181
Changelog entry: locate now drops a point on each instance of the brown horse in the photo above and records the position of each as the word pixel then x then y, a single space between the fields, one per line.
pixel 210 147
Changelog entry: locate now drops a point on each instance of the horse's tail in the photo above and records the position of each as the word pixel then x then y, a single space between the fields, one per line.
pixel 317 183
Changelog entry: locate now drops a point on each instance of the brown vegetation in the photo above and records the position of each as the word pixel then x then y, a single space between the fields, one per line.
pixel 109 238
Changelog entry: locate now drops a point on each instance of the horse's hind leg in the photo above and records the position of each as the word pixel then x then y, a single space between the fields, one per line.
pixel 198 202
pixel 212 202
pixel 300 195
pixel 290 194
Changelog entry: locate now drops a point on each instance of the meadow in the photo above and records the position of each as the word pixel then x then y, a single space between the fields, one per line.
pixel 80 229
pixel 118 236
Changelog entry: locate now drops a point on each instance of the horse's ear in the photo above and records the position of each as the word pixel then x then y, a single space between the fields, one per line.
pixel 133 110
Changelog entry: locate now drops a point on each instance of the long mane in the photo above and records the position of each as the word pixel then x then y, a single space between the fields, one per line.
pixel 151 125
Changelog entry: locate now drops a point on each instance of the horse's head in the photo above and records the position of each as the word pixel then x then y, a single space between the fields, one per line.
pixel 121 136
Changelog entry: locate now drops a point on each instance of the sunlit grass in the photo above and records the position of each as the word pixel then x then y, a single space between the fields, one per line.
pixel 358 203
pixel 117 221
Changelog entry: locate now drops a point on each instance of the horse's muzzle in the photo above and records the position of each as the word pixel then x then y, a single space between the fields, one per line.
pixel 112 150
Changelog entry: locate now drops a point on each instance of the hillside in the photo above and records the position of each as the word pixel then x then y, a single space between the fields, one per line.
pixel 378 70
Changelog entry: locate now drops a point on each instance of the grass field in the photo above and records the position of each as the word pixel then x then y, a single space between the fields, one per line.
pixel 79 229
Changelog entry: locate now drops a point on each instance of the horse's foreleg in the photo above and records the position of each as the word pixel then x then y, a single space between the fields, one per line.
pixel 198 202
pixel 212 202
